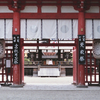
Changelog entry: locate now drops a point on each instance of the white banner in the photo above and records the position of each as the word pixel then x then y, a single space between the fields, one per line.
pixel 64 29
pixel 96 29
pixel 2 28
pixel 23 28
pixel 88 29
pixel 8 28
pixel 75 28
pixel 33 29
pixel 49 29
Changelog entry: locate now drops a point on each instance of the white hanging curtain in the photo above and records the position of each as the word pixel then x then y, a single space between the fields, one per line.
pixel 75 28
pixel 8 28
pixel 88 29
pixel 64 29
pixel 49 29
pixel 2 28
pixel 22 27
pixel 33 29
pixel 96 29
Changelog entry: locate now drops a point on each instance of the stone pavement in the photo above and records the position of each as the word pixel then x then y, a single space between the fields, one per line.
pixel 48 90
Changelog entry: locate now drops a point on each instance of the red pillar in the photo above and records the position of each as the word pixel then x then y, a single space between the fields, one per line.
pixel 74 65
pixel 16 31
pixel 21 61
pixel 81 31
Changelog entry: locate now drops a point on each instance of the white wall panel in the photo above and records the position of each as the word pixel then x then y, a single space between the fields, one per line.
pixel 49 9
pixel 22 28
pixel 97 29
pixel 1 28
pixel 29 9
pixel 33 29
pixel 68 9
pixel 49 29
pixel 8 28
pixel 75 28
pixel 93 9
pixel 64 29
pixel 5 9
pixel 88 29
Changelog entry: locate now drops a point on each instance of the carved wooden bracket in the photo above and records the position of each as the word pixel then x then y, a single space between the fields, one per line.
pixel 81 5
pixel 16 5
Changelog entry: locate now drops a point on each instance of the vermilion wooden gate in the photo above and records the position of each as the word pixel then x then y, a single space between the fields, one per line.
pixel 91 68
pixel 6 74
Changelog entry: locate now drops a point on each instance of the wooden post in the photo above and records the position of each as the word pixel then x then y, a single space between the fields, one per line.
pixel 81 31
pixel 16 31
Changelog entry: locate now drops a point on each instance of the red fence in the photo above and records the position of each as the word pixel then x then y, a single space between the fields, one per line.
pixel 92 76
pixel 6 67
pixel 91 68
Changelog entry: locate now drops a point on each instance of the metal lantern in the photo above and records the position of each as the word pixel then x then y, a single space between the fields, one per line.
pixel 2 48
pixel 96 48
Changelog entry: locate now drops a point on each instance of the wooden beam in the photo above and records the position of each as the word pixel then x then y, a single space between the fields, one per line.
pixel 42 44
pixel 49 15
pixel 92 15
pixel 6 15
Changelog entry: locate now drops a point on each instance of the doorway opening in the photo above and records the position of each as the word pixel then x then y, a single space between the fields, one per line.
pixel 53 63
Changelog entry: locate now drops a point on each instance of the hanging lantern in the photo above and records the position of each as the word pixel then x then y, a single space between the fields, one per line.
pixel 2 48
pixel 96 48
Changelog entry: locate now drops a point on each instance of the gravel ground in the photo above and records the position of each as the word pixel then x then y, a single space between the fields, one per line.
pixel 23 94
pixel 49 89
